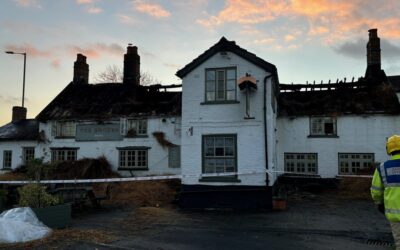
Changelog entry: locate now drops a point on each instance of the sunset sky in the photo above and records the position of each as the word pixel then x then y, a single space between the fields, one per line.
pixel 307 40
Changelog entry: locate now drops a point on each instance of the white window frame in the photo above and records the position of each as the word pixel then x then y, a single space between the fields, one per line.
pixel 64 129
pixel 301 163
pixel 7 159
pixel 63 154
pixel 352 163
pixel 174 157
pixel 319 126
pixel 28 153
pixel 135 158
pixel 139 127
pixel 220 84
pixel 219 153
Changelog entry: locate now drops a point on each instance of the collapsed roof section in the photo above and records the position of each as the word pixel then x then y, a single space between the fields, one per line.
pixel 111 100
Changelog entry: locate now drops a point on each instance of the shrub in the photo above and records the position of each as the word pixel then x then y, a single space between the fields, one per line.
pixel 37 170
pixel 35 196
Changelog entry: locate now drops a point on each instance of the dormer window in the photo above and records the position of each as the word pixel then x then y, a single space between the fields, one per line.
pixel 220 85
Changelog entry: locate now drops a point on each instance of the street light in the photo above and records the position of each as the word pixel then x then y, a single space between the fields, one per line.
pixel 23 83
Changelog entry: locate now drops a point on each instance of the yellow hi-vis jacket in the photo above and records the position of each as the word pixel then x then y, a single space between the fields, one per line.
pixel 385 187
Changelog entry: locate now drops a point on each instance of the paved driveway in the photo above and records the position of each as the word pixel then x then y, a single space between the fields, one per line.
pixel 323 221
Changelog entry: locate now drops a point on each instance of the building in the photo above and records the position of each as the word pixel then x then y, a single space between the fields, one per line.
pixel 230 132
pixel 137 128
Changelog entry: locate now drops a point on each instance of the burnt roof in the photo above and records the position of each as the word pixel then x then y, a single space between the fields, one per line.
pixel 364 99
pixel 21 130
pixel 110 100
pixel 395 82
pixel 224 45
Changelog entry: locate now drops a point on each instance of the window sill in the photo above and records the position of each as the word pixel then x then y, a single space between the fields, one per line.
pixel 220 102
pixel 136 136
pixel 5 169
pixel 220 179
pixel 322 136
pixel 133 169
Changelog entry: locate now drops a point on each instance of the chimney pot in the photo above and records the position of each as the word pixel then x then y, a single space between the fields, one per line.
pixel 18 113
pixel 81 70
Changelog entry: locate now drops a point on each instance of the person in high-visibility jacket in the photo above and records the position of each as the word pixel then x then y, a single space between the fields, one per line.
pixel 385 187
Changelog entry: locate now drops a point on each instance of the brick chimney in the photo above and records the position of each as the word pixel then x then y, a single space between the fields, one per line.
pixel 81 70
pixel 132 66
pixel 18 113
pixel 373 54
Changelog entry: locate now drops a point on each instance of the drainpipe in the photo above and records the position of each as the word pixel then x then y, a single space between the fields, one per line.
pixel 265 126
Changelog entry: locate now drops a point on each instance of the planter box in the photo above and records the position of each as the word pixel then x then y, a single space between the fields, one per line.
pixel 55 216
pixel 279 204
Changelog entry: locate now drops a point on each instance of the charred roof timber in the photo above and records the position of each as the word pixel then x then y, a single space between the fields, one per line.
pixel 132 66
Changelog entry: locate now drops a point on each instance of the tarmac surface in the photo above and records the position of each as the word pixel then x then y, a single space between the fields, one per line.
pixel 311 221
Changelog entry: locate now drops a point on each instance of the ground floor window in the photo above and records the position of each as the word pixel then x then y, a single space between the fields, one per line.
pixel 133 158
pixel 7 159
pixel 356 163
pixel 174 157
pixel 219 154
pixel 301 163
pixel 63 154
pixel 28 154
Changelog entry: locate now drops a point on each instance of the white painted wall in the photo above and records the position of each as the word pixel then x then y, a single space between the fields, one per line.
pixel 357 134
pixel 157 155
pixel 17 148
pixel 226 119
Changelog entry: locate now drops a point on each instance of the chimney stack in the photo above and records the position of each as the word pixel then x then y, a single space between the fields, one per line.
pixel 18 113
pixel 132 66
pixel 373 54
pixel 81 70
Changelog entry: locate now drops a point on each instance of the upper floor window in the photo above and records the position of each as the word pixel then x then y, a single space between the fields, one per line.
pixel 136 127
pixel 220 84
pixel 64 129
pixel 323 126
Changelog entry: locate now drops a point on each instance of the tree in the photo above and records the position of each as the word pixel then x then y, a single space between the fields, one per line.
pixel 113 74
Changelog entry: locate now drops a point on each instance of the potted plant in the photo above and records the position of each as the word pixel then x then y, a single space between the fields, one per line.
pixel 48 208
pixel 279 199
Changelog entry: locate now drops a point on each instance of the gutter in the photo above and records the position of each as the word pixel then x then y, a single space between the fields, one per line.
pixel 265 127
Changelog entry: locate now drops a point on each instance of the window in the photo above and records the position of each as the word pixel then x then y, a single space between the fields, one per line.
pixel 63 154
pixel 322 126
pixel 356 163
pixel 28 154
pixel 174 157
pixel 301 163
pixel 136 127
pixel 7 159
pixel 133 159
pixel 220 84
pixel 63 129
pixel 219 154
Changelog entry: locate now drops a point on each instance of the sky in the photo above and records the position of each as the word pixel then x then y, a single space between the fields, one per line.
pixel 307 40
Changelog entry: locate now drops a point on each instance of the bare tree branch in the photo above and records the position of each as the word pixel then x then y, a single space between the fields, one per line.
pixel 113 74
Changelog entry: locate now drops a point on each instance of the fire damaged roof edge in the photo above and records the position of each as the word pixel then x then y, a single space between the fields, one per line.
pixel 21 130
pixel 225 45
pixel 111 101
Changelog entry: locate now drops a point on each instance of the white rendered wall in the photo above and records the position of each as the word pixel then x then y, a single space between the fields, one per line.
pixel 357 134
pixel 17 151
pixel 157 155
pixel 199 120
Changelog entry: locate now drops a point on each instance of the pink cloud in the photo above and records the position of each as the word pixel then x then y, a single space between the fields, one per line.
pixel 84 1
pixel 97 50
pixel 29 50
pixel 94 10
pixel 28 3
pixel 55 63
pixel 125 19
pixel 151 9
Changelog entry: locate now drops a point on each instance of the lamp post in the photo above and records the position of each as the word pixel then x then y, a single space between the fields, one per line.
pixel 23 83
